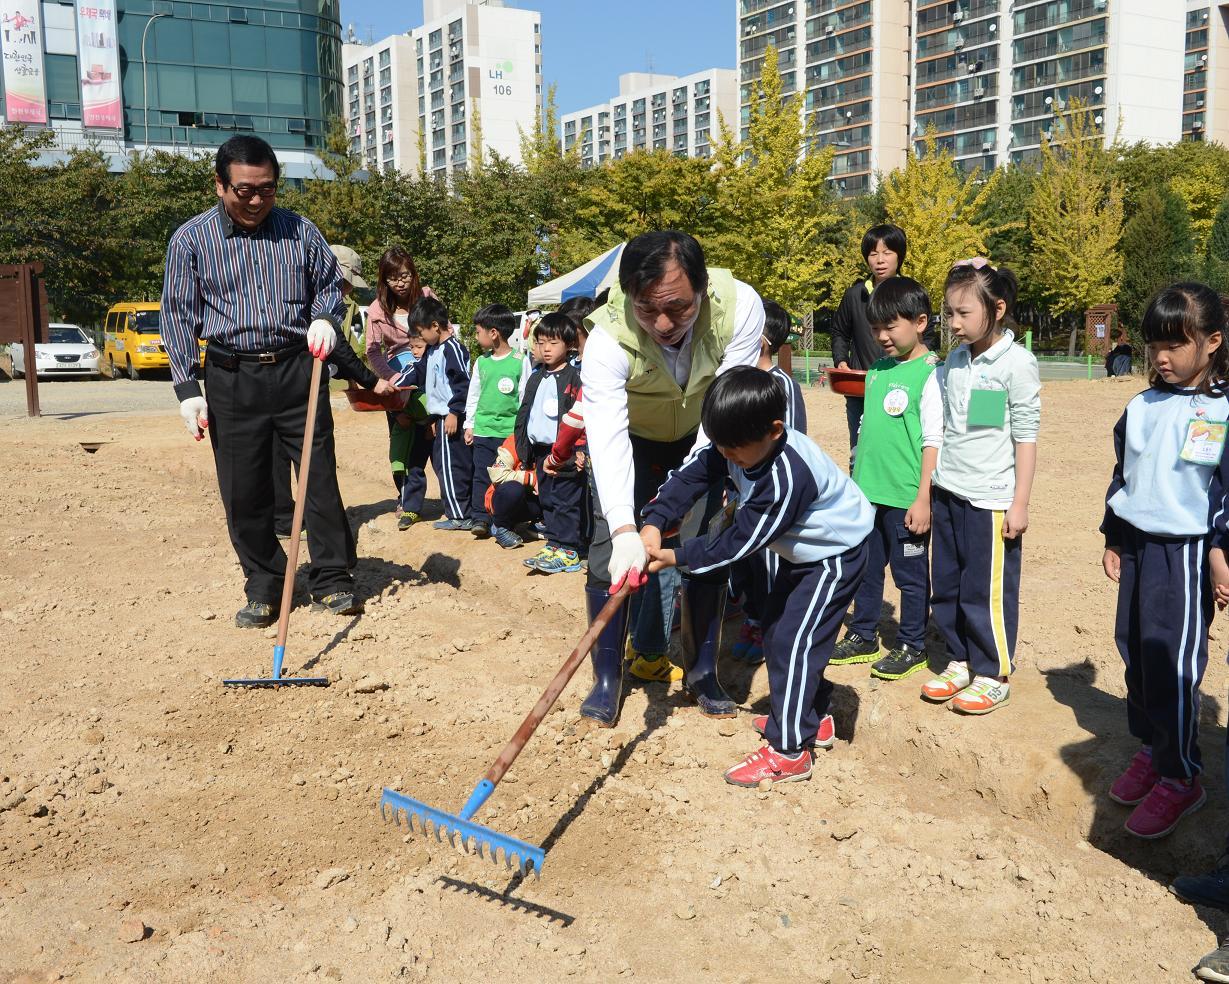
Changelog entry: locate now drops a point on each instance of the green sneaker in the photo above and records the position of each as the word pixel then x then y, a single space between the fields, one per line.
pixel 899 663
pixel 854 649
pixel 407 519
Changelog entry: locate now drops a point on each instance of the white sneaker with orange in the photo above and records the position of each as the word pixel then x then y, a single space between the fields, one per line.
pixel 982 696
pixel 948 683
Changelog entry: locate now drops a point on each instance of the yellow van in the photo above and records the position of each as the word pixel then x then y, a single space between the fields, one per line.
pixel 133 339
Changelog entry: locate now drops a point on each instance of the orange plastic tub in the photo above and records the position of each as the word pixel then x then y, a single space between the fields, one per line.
pixel 847 382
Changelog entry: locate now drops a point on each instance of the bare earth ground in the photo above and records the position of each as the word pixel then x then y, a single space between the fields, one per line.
pixel 926 848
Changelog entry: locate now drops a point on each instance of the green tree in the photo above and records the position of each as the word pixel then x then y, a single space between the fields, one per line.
pixel 1216 257
pixel 1010 240
pixel 941 210
pixel 1157 249
pixel 338 201
pixel 1200 177
pixel 779 222
pixel 1076 217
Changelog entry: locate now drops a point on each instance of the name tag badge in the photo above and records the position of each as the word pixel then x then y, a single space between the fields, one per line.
pixel 1205 441
pixel 987 408
pixel 551 406
pixel 506 385
pixel 896 402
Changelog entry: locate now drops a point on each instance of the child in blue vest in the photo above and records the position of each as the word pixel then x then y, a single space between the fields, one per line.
pixel 752 579
pixel 495 390
pixel 563 492
pixel 902 428
pixel 1165 535
pixel 793 500
pixel 443 376
pixel 980 489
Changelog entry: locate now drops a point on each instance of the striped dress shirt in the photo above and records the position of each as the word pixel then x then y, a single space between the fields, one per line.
pixel 254 291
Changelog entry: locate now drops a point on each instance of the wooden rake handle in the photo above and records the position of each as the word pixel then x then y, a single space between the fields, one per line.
pixel 296 524
pixel 555 687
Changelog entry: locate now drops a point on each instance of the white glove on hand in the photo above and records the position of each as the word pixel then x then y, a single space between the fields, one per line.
pixel 195 413
pixel 626 555
pixel 321 338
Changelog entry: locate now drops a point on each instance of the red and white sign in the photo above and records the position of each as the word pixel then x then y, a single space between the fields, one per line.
pixel 21 45
pixel 98 59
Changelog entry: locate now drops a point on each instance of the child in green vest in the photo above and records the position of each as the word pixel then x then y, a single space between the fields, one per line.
pixel 496 386
pixel 898 446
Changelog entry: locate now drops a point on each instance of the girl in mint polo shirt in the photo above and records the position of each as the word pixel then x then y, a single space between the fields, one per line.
pixel 902 428
pixel 982 484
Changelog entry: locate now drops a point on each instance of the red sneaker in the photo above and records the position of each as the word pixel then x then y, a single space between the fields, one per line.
pixel 1167 803
pixel 1132 786
pixel 769 764
pixel 825 737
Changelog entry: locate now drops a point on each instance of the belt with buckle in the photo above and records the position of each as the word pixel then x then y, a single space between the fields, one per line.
pixel 226 358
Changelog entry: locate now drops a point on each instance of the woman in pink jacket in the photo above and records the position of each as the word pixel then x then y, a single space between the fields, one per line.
pixel 388 352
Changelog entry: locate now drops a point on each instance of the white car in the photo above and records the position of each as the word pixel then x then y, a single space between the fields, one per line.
pixel 70 352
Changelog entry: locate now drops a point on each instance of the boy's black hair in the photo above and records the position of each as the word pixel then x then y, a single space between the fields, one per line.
pixel 603 296
pixel 892 236
pixel 1189 311
pixel 497 317
pixel 244 148
pixel 427 311
pixel 777 326
pixel 645 257
pixel 578 308
pixel 741 407
pixel 897 297
pixel 556 325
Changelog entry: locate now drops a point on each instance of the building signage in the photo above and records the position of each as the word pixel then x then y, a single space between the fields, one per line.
pixel 98 60
pixel 21 45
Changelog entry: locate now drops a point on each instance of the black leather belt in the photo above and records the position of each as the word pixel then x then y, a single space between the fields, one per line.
pixel 225 358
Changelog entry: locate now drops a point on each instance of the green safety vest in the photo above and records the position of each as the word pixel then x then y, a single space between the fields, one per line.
pixel 499 396
pixel 888 465
pixel 658 409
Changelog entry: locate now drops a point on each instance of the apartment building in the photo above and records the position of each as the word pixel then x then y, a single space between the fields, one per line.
pixel 1205 80
pixel 655 112
pixel 468 80
pixel 851 63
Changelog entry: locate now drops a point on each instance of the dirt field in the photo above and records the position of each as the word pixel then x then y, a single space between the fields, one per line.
pixel 241 828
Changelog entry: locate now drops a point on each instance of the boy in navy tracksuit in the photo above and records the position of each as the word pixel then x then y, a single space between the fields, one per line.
pixel 793 500
pixel 443 375
pixel 752 579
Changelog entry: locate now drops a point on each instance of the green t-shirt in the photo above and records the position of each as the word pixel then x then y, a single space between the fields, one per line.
pixel 888 463
pixel 499 397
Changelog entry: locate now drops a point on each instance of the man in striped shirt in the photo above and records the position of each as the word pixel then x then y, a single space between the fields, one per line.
pixel 260 285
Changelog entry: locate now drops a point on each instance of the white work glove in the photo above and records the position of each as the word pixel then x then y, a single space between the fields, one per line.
pixel 321 338
pixel 195 413
pixel 627 557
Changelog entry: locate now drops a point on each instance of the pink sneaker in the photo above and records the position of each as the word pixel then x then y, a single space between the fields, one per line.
pixel 1132 786
pixel 769 764
pixel 1167 803
pixel 825 737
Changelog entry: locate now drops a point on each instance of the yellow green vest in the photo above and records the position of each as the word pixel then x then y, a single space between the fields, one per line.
pixel 658 409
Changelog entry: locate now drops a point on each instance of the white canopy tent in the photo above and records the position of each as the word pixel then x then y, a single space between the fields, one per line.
pixel 585 281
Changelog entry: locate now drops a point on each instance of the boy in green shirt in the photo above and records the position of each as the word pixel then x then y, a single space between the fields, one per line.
pixel 898 446
pixel 496 385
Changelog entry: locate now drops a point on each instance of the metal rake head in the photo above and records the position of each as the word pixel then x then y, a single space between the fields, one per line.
pixel 471 837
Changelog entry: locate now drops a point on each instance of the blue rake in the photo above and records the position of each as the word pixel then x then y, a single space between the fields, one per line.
pixel 292 558
pixel 474 837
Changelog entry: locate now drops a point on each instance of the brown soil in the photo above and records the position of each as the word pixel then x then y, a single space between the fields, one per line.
pixel 136 790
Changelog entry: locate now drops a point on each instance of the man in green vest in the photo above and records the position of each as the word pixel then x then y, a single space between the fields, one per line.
pixel 670 327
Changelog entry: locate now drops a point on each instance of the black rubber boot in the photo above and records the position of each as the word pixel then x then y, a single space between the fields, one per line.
pixel 703 610
pixel 602 704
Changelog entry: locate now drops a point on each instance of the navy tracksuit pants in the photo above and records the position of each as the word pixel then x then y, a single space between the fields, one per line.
pixel 564 503
pixel 454 467
pixel 975 577
pixel 802 616
pixel 891 543
pixel 1165 607
pixel 483 451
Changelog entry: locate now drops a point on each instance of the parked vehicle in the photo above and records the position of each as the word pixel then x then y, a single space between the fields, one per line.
pixel 133 339
pixel 69 352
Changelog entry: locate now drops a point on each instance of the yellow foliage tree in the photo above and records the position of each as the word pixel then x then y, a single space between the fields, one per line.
pixel 941 211
pixel 1076 217
pixel 779 221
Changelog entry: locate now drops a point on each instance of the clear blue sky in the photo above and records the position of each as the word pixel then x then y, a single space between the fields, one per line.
pixel 588 44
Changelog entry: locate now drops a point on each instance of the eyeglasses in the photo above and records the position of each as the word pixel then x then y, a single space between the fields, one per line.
pixel 247 191
pixel 402 278
pixel 976 262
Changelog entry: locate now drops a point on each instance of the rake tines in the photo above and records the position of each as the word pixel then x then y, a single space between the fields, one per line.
pixel 462 833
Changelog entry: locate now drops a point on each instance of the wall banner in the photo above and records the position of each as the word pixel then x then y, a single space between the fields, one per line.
pixel 98 62
pixel 21 46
